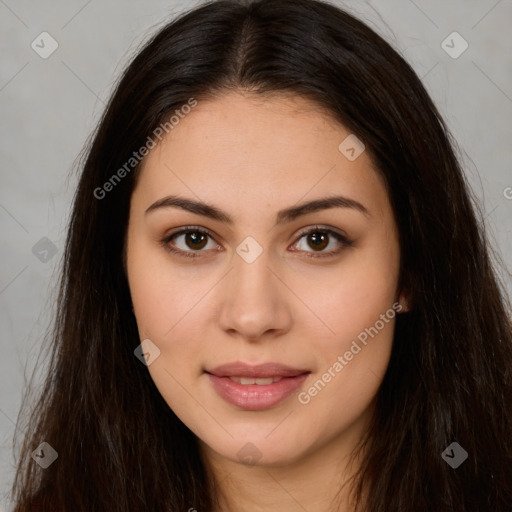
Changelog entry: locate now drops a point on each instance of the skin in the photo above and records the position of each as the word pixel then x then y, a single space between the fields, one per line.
pixel 251 157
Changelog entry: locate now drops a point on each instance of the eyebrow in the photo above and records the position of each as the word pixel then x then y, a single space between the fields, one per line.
pixel 283 216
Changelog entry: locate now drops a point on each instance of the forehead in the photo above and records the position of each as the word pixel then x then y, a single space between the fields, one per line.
pixel 241 149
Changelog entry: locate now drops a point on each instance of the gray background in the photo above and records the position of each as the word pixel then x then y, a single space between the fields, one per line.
pixel 50 106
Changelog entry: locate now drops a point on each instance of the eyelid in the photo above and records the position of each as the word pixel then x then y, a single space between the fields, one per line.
pixel 326 229
pixel 340 236
pixel 190 229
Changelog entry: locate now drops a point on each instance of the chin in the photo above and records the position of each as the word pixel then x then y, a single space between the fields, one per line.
pixel 260 449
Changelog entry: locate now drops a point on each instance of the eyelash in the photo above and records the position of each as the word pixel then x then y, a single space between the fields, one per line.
pixel 345 242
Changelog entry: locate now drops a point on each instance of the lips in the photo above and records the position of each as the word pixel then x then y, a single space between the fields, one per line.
pixel 261 371
pixel 257 387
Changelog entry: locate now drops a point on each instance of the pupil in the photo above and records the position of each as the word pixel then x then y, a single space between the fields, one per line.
pixel 196 239
pixel 319 240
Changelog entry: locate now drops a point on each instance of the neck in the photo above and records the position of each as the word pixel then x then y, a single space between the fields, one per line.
pixel 320 480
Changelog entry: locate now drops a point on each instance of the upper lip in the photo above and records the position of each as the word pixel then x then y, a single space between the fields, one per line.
pixel 265 370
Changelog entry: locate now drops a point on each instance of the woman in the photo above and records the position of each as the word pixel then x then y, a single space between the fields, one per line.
pixel 276 293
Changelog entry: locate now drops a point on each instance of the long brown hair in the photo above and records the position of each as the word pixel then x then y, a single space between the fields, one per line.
pixel 120 447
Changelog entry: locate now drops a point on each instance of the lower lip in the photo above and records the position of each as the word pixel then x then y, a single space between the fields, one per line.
pixel 253 397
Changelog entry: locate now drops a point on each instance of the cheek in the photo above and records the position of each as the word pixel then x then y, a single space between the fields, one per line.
pixel 161 295
pixel 164 310
pixel 168 307
pixel 351 367
pixel 351 297
pixel 358 309
pixel 171 322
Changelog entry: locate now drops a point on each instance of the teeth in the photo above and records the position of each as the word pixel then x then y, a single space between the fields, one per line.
pixel 260 382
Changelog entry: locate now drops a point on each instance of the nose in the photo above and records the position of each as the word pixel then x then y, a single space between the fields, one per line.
pixel 254 301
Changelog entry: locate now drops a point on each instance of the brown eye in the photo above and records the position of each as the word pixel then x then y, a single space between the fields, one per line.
pixel 318 239
pixel 196 240
pixel 189 242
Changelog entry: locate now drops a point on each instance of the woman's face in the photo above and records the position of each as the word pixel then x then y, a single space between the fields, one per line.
pixel 248 286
